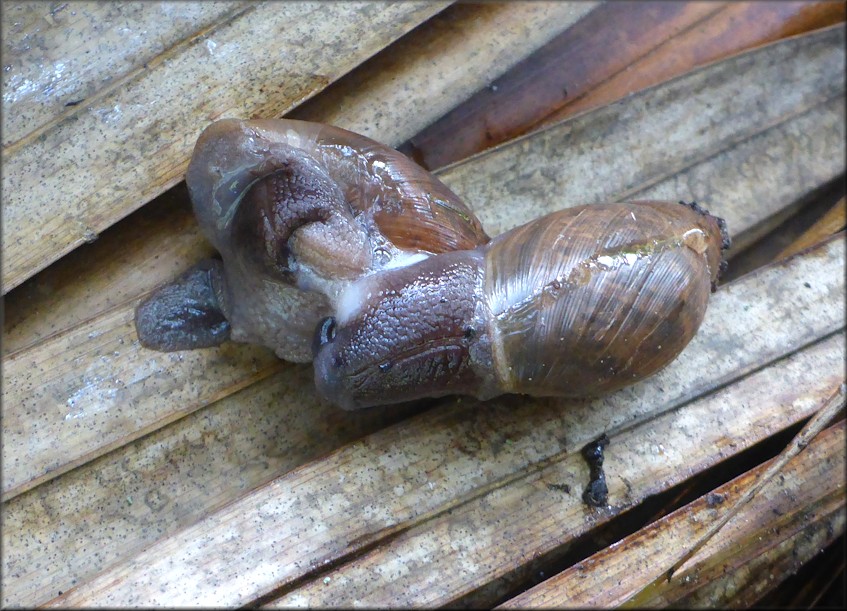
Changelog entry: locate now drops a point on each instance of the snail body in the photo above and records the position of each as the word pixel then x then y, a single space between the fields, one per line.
pixel 297 211
pixel 339 250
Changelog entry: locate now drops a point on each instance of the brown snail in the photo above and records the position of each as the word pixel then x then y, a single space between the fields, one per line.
pixel 297 211
pixel 339 249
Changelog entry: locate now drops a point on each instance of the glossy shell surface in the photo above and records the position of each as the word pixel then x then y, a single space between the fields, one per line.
pixel 587 300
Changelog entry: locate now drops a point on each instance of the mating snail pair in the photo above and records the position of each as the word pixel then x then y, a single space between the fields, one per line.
pixel 341 251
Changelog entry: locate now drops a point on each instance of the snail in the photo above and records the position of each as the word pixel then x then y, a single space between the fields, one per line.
pixel 341 251
pixel 297 210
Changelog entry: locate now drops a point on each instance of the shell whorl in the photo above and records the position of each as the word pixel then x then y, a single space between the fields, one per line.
pixel 590 299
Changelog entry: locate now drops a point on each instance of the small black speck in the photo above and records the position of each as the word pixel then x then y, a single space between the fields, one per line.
pixel 385 366
pixel 470 332
pixel 74 103
pixel 60 592
pixel 713 499
pixel 597 492
pixel 559 488
pixel 807 285
pixel 593 452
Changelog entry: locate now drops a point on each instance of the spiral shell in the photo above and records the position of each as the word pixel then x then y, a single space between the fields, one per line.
pixel 587 300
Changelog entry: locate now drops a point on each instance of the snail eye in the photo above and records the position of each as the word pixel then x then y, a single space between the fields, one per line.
pixel 324 334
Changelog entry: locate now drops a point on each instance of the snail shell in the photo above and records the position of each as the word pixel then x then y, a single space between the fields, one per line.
pixel 297 211
pixel 578 303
